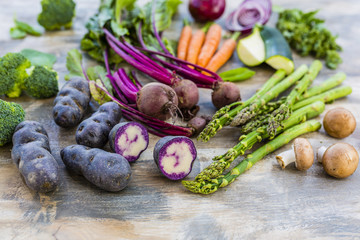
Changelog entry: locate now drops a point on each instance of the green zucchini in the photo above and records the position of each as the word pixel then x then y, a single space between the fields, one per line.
pixel 251 49
pixel 277 50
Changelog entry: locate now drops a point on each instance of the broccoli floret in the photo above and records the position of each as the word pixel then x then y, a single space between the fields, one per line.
pixel 12 74
pixel 56 13
pixel 42 82
pixel 11 114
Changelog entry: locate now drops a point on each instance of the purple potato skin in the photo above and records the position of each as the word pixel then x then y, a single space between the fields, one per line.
pixel 159 153
pixel 118 130
pixel 71 103
pixel 108 171
pixel 224 94
pixel 31 154
pixel 94 131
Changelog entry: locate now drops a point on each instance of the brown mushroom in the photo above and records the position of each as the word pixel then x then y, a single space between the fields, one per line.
pixel 302 154
pixel 339 122
pixel 320 153
pixel 340 160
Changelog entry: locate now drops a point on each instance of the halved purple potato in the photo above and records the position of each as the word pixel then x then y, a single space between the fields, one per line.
pixel 129 139
pixel 174 156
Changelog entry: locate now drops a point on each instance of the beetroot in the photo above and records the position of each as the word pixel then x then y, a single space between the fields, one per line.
pixel 129 139
pixel 174 156
pixel 198 124
pixel 157 100
pixel 224 94
pixel 187 93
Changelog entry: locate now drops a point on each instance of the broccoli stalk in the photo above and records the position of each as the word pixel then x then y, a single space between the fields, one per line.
pixel 56 14
pixel 12 74
pixel 11 114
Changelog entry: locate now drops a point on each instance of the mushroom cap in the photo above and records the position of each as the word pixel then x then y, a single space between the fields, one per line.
pixel 340 160
pixel 339 122
pixel 304 154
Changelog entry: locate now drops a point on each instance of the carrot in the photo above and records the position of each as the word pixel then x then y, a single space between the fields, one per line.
pixel 224 53
pixel 184 40
pixel 196 42
pixel 212 41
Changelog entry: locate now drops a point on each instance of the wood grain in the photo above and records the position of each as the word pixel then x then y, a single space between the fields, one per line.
pixel 264 203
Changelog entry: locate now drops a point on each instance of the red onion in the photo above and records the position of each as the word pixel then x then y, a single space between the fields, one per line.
pixel 248 14
pixel 206 10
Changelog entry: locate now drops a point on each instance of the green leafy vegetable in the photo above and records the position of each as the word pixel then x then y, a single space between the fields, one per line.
pixel 94 42
pixel 122 18
pixel 16 33
pixel 99 72
pixel 38 58
pixel 21 29
pixel 73 64
pixel 97 94
pixel 56 14
pixel 307 35
pixel 27 28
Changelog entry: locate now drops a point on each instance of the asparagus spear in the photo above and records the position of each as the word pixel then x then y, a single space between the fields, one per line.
pixel 249 112
pixel 284 111
pixel 222 162
pixel 224 116
pixel 332 82
pixel 262 118
pixel 325 97
pixel 207 187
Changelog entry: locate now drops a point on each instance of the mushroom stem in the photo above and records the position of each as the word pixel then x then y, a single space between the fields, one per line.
pixel 320 154
pixel 285 158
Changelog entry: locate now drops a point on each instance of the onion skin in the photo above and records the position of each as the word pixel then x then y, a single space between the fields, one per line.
pixel 206 10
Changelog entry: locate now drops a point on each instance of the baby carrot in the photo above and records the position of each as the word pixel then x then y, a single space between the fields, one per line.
pixel 196 42
pixel 184 40
pixel 224 53
pixel 212 41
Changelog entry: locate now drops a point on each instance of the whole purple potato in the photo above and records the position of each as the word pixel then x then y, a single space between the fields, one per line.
pixel 31 154
pixel 71 103
pixel 108 171
pixel 94 131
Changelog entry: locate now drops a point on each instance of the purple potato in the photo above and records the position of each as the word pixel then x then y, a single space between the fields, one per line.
pixel 94 131
pixel 129 140
pixel 71 103
pixel 174 156
pixel 108 171
pixel 31 154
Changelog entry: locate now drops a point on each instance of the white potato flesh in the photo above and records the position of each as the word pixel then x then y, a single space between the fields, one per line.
pixel 178 158
pixel 132 142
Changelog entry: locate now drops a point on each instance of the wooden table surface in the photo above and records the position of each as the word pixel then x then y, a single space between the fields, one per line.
pixel 264 203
